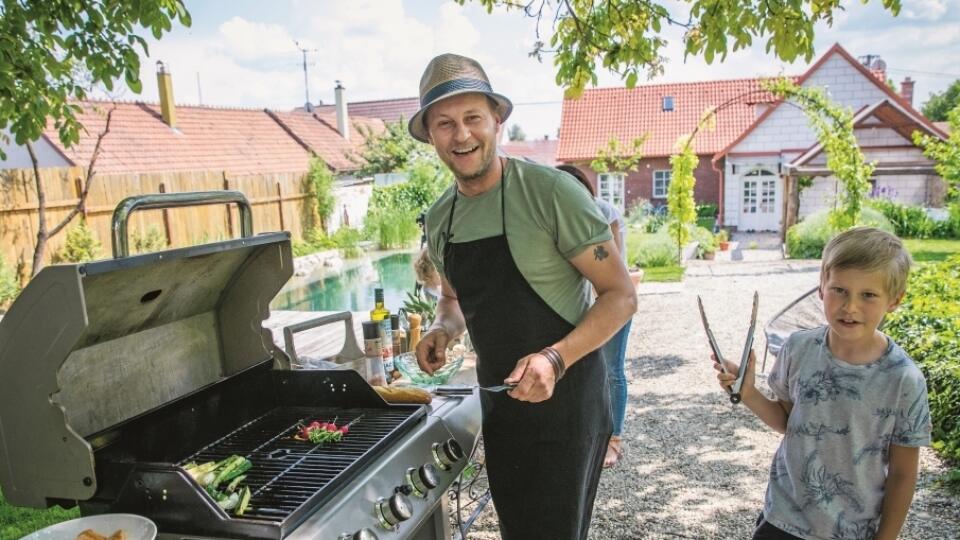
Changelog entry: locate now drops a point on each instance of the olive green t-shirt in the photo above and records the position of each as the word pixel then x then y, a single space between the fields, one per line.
pixel 550 219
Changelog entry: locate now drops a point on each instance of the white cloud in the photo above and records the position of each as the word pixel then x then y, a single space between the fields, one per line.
pixel 245 40
pixel 925 10
pixel 379 48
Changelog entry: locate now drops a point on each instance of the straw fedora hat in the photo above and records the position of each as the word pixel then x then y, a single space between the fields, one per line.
pixel 450 75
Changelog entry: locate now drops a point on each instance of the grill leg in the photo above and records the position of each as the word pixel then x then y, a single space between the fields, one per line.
pixel 437 526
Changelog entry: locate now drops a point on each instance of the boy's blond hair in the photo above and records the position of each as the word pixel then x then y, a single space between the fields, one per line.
pixel 871 250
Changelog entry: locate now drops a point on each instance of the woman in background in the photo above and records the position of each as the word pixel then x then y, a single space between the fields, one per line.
pixel 614 352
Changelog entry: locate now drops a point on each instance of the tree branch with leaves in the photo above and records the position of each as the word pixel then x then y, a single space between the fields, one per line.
pixel 44 44
pixel 627 37
pixel 44 234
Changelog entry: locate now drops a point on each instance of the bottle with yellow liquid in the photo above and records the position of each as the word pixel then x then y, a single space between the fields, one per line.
pixel 381 315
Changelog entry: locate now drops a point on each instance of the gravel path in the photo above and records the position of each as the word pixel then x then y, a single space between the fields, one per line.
pixel 696 467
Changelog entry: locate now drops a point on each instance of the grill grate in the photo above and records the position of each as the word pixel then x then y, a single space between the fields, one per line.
pixel 287 473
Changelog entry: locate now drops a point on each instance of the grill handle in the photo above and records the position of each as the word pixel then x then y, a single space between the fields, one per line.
pixel 157 201
pixel 350 350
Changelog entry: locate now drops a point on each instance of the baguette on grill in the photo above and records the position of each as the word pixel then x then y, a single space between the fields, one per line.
pixel 403 394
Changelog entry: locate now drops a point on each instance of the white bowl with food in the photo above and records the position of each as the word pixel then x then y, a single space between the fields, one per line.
pixel 102 527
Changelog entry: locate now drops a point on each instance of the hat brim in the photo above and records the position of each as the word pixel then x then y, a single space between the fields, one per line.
pixel 419 131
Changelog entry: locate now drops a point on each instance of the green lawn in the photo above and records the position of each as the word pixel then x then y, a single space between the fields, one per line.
pixel 931 250
pixel 663 273
pixel 19 522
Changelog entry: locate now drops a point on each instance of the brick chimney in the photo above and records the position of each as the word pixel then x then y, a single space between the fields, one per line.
pixel 167 107
pixel 343 120
pixel 906 90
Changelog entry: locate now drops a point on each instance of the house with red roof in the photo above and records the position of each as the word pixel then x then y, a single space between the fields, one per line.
pixel 387 110
pixel 542 151
pixel 167 137
pixel 752 159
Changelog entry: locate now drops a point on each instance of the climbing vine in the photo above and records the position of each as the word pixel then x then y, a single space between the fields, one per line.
pixel 834 128
pixel 680 202
pixel 619 157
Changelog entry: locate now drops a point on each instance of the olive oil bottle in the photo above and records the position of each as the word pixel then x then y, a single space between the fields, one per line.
pixel 381 315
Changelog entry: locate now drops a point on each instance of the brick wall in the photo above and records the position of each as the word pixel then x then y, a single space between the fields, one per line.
pixel 639 184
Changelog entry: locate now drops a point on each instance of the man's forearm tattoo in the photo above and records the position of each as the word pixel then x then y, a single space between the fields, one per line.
pixel 600 253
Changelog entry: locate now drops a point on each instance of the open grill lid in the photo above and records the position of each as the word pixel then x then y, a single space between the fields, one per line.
pixel 86 347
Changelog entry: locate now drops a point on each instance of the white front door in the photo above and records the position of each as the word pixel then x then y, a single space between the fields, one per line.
pixel 759 201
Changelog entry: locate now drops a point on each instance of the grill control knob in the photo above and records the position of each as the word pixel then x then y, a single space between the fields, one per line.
pixel 390 512
pixel 422 479
pixel 448 453
pixel 362 534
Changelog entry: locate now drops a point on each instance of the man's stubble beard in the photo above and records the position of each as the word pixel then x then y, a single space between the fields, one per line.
pixel 489 156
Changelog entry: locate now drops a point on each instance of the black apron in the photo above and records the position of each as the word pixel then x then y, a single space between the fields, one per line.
pixel 543 459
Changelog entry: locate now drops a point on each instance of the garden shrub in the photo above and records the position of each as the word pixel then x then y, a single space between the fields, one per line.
pixel 927 326
pixel 81 245
pixel 314 240
pixel 806 239
pixel 912 221
pixel 651 250
pixel 706 241
pixel 707 210
pixel 9 285
pixel 152 240
pixel 392 213
pixel 347 239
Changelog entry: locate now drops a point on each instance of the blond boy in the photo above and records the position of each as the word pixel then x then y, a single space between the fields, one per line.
pixel 851 404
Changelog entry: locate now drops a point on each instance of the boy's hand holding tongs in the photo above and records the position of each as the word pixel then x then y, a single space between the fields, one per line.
pixel 734 378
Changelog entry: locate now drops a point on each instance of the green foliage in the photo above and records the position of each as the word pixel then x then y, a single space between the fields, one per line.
pixel 938 107
pixel 81 245
pixel 706 241
pixel 834 127
pixel 680 203
pixel 946 153
pixel 9 284
pixel 618 157
pixel 912 221
pixel 629 37
pixel 392 213
pixel 647 250
pixel 707 210
pixel 723 235
pixel 515 133
pixel 46 43
pixel 927 326
pixel 152 240
pixel 390 151
pixel 426 308
pixel 347 239
pixel 806 239
pixel 320 185
pixel 314 240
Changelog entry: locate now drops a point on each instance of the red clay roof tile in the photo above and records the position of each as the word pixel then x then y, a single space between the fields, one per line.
pixel 588 123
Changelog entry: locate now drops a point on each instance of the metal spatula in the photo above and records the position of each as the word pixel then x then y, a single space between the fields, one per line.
pixel 498 388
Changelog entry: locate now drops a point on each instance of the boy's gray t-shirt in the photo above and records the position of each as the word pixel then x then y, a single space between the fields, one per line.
pixel 827 477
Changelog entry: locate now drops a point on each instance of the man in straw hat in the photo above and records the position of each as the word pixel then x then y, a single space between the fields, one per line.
pixel 516 245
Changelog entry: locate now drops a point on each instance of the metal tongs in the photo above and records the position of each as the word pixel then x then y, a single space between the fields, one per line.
pixel 733 390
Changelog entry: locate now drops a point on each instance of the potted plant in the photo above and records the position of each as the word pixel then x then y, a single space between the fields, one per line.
pixel 723 239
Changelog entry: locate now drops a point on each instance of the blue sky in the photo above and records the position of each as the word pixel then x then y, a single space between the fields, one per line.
pixel 244 53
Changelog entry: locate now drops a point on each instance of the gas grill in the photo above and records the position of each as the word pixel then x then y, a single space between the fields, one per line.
pixel 118 373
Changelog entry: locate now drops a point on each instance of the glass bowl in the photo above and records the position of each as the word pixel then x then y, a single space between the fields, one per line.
pixel 407 364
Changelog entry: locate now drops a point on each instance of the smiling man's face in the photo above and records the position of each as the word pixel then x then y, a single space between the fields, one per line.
pixel 463 129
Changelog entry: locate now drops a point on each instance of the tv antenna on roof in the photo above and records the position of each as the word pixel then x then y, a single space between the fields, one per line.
pixel 306 84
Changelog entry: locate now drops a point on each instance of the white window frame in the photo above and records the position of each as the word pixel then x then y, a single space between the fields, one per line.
pixel 611 187
pixel 665 176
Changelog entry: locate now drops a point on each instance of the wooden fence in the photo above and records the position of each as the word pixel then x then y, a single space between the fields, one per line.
pixel 279 202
